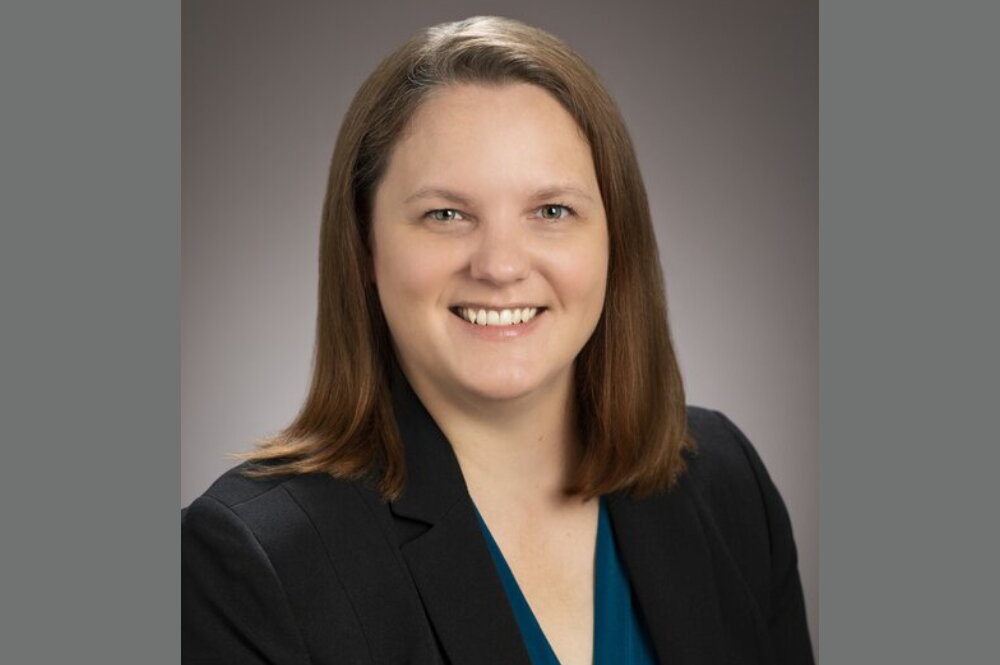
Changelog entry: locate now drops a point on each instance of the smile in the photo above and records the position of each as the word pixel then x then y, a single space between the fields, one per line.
pixel 497 317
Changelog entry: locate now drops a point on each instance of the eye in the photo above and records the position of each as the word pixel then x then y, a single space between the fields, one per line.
pixel 555 211
pixel 444 215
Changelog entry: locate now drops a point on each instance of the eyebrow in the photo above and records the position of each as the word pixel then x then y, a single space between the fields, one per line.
pixel 461 199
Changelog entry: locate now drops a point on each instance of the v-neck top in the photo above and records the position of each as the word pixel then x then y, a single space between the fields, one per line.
pixel 619 636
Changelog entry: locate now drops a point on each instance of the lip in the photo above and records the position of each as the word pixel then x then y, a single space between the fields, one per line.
pixel 482 305
pixel 497 333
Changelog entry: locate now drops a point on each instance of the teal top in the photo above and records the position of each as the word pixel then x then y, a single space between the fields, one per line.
pixel 619 637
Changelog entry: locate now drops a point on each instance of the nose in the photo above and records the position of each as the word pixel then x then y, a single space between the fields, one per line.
pixel 501 255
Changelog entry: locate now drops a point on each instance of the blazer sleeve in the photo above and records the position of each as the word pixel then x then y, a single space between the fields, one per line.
pixel 233 606
pixel 786 617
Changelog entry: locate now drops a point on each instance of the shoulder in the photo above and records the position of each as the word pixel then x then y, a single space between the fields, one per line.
pixel 238 503
pixel 234 519
pixel 741 505
pixel 273 524
pixel 266 560
pixel 719 467
pixel 230 586
pixel 724 461
pixel 262 504
pixel 718 439
pixel 732 488
pixel 235 488
pixel 723 451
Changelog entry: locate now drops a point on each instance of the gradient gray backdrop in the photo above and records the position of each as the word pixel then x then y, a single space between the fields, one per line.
pixel 721 99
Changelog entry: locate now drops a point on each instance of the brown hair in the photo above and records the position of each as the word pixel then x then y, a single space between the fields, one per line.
pixel 630 399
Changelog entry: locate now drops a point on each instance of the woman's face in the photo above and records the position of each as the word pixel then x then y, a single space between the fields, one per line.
pixel 490 243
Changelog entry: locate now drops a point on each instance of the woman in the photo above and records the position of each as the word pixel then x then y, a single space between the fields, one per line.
pixel 494 463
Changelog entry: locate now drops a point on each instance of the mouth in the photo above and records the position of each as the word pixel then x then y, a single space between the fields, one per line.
pixel 483 316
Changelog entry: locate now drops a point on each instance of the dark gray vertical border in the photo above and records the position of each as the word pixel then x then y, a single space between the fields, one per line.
pixel 909 303
pixel 89 277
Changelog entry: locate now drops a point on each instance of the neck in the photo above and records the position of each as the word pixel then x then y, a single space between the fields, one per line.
pixel 518 451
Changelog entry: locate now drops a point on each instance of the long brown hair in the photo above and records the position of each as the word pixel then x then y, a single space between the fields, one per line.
pixel 630 398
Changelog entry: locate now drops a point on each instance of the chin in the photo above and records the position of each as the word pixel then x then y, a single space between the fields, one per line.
pixel 504 385
pixel 499 393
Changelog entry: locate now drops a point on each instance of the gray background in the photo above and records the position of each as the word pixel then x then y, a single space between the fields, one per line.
pixel 721 101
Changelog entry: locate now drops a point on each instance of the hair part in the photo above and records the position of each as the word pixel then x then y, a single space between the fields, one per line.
pixel 630 406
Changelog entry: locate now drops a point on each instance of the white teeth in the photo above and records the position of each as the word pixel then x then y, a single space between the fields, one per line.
pixel 498 317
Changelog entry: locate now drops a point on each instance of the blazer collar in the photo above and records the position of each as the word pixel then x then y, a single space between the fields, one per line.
pixel 434 480
pixel 444 548
pixel 665 553
pixel 673 557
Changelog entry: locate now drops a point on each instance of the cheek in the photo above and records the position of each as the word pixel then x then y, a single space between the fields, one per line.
pixel 596 283
pixel 584 274
pixel 406 274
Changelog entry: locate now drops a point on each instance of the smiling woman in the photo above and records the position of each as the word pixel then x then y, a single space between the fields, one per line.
pixel 495 462
pixel 501 252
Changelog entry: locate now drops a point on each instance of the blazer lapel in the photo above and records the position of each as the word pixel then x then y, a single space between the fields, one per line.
pixel 443 546
pixel 694 604
pixel 665 555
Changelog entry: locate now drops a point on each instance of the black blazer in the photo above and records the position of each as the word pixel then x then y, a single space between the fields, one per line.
pixel 314 570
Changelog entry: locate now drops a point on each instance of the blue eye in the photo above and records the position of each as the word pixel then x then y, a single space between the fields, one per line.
pixel 555 211
pixel 444 215
pixel 549 211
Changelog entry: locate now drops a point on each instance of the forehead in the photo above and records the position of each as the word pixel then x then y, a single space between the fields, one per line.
pixel 496 134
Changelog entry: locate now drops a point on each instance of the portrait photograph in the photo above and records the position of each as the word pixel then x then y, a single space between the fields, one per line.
pixel 499 332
